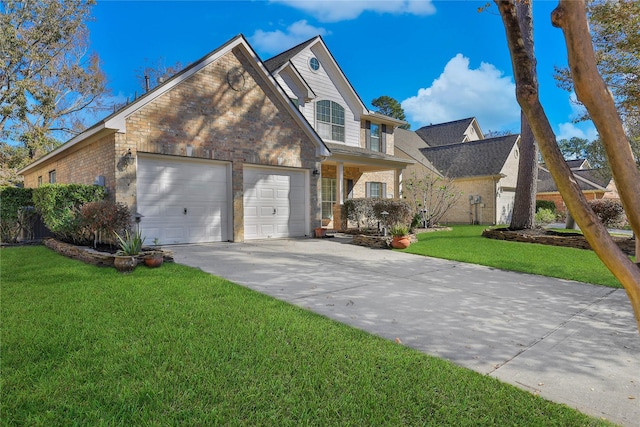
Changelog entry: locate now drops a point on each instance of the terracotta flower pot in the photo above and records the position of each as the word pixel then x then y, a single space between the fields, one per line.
pixel 153 260
pixel 320 232
pixel 125 264
pixel 400 242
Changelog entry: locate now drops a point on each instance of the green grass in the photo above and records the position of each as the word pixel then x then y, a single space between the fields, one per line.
pixel 465 243
pixel 83 345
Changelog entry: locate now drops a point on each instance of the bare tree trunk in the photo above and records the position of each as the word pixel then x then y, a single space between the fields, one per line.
pixel 524 204
pixel 571 16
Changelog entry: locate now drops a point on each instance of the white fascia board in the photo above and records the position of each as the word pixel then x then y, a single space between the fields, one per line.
pixel 321 148
pixel 291 70
pixel 384 119
pixel 84 136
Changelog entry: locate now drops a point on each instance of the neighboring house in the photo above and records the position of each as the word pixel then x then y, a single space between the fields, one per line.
pixel 232 148
pixel 592 182
pixel 484 170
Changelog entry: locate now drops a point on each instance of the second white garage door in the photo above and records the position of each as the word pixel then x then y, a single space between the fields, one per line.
pixel 274 203
pixel 183 200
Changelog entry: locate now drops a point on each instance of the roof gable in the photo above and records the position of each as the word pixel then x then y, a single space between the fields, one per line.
pixel 116 122
pixel 410 143
pixel 587 180
pixel 449 133
pixel 485 157
pixel 318 47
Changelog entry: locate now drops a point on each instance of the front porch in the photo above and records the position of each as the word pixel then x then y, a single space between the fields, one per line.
pixel 353 172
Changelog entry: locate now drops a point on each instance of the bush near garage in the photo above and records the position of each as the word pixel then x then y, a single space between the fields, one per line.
pixel 546 204
pixel 60 205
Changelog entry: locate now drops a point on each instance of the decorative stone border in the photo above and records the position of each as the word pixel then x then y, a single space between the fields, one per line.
pixel 91 256
pixel 557 239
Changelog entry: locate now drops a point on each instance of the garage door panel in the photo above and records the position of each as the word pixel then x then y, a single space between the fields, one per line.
pixel 269 190
pixel 166 186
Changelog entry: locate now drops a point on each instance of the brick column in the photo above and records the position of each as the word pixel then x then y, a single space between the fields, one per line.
pixel 237 184
pixel 339 222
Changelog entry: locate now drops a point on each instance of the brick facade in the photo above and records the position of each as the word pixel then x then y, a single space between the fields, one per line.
pixel 226 111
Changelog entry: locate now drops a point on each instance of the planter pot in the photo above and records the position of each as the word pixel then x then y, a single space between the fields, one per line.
pixel 320 232
pixel 400 242
pixel 153 260
pixel 125 264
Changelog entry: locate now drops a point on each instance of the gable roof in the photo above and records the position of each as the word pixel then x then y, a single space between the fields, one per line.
pixel 279 60
pixel 587 180
pixel 116 122
pixel 484 157
pixel 283 60
pixel 445 133
pixel 578 164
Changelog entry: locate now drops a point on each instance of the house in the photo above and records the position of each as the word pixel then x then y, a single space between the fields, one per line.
pixel 592 182
pixel 232 148
pixel 362 162
pixel 483 169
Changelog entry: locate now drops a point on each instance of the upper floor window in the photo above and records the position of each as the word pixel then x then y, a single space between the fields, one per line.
pixel 314 64
pixel 52 177
pixel 330 120
pixel 375 137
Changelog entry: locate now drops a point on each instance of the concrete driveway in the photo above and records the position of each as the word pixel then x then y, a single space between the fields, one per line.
pixel 569 342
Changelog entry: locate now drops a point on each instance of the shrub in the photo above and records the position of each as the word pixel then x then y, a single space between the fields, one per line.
pixel 368 212
pixel 546 204
pixel 398 211
pixel 609 211
pixel 360 212
pixel 104 218
pixel 59 205
pixel 13 218
pixel 130 244
pixel 545 216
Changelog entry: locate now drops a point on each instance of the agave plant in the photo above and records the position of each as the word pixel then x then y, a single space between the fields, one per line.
pixel 130 244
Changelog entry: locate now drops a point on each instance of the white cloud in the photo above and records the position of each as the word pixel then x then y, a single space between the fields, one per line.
pixel 461 92
pixel 343 10
pixel 278 41
pixel 584 130
pixel 568 130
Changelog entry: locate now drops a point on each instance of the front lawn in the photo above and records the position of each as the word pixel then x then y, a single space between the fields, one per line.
pixel 83 345
pixel 465 243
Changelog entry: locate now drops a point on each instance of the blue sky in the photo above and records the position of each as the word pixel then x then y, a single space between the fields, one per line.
pixel 442 60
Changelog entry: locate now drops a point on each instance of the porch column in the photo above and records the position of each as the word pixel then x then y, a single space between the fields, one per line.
pixel 340 183
pixel 339 223
pixel 397 184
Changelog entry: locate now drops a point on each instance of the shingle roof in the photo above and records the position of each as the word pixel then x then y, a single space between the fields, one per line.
pixel 279 60
pixel 445 133
pixel 349 150
pixel 576 163
pixel 587 179
pixel 409 142
pixel 484 157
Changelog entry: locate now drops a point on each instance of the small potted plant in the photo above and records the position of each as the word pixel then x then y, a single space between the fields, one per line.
pixel 125 259
pixel 154 258
pixel 400 235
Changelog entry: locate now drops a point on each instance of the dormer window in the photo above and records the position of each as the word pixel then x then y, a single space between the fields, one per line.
pixel 330 120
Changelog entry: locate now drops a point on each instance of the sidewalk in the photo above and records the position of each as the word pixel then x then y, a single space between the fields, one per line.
pixel 569 342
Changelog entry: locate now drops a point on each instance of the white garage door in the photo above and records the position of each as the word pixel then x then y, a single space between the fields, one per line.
pixel 182 200
pixel 275 204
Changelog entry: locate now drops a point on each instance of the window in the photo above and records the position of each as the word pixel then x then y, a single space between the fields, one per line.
pixel 376 190
pixel 375 135
pixel 314 64
pixel 52 177
pixel 330 120
pixel 329 195
pixel 39 180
